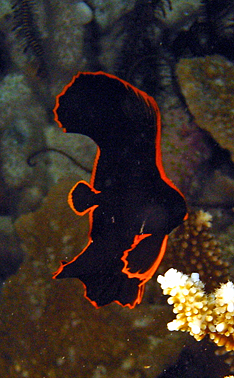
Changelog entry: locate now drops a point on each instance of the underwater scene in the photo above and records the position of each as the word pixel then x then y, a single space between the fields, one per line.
pixel 117 189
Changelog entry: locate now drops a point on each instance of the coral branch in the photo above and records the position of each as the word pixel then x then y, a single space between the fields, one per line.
pixel 197 312
pixel 193 247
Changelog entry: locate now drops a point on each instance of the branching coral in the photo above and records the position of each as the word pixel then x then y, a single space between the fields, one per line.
pixel 223 335
pixel 193 248
pixel 200 313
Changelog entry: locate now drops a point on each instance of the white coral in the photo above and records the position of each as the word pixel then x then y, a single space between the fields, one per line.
pixel 197 312
pixel 190 304
pixel 203 219
pixel 172 279
pixel 225 296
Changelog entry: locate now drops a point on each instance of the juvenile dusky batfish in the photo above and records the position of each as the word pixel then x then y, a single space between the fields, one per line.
pixel 131 203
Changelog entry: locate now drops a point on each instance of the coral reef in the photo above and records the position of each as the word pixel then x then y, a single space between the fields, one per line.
pixel 206 135
pixel 49 329
pixel 46 41
pixel 80 147
pixel 192 247
pixel 107 13
pixel 207 84
pixel 73 26
pixel 180 136
pixel 171 17
pixel 199 313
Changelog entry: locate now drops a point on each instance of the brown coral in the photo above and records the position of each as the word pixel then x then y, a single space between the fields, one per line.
pixel 207 84
pixel 193 248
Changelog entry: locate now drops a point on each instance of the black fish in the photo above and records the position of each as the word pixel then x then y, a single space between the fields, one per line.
pixel 132 205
